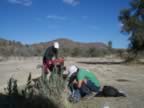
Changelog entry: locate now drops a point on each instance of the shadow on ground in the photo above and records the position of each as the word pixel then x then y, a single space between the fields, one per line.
pixel 22 102
pixel 104 63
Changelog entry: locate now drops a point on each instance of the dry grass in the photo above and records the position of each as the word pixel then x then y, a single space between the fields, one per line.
pixel 39 94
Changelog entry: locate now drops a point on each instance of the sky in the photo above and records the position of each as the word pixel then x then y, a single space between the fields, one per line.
pixel 33 21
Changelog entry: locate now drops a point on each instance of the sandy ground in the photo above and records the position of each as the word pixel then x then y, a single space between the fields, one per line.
pixel 128 78
pixel 18 68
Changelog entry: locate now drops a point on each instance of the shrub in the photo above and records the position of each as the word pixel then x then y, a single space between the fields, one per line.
pixel 38 93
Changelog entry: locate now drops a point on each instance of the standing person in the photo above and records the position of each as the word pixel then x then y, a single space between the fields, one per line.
pixel 83 80
pixel 50 54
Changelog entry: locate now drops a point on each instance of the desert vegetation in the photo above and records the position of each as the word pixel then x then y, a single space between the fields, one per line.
pixel 36 93
pixel 108 63
pixel 132 19
pixel 74 49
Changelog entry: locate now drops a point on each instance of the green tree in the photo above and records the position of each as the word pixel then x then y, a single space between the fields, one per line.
pixel 132 20
pixel 91 52
pixel 75 52
pixel 63 52
pixel 110 46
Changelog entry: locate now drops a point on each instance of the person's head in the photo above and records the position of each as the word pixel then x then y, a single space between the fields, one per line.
pixel 72 70
pixel 56 45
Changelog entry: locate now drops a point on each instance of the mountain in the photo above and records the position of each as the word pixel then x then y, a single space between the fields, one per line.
pixel 67 43
pixel 67 48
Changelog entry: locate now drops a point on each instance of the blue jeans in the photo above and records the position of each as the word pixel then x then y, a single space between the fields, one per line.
pixel 88 88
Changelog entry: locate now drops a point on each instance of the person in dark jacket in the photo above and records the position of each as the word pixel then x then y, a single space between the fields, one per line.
pixel 50 54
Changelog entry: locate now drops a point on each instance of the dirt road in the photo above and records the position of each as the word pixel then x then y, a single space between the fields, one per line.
pixel 128 78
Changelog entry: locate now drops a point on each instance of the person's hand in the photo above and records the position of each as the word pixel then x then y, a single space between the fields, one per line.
pixel 65 90
pixel 53 58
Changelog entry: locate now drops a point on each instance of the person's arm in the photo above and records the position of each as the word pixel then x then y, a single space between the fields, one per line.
pixel 70 83
pixel 56 54
pixel 71 80
pixel 81 79
pixel 80 82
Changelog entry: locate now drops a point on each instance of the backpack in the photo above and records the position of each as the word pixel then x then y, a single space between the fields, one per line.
pixel 109 91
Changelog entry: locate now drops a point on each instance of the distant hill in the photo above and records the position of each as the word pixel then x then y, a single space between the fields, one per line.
pixel 67 43
pixel 72 48
pixel 67 47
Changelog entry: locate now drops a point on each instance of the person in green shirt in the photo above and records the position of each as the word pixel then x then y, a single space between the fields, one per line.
pixel 83 80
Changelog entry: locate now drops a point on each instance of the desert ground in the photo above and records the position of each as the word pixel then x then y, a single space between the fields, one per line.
pixel 110 71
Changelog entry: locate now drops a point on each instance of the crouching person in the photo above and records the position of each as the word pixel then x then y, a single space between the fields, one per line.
pixel 82 83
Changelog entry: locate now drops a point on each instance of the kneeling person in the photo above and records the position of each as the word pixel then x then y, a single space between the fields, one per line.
pixel 83 80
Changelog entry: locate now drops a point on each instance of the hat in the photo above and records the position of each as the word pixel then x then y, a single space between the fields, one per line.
pixel 56 45
pixel 72 69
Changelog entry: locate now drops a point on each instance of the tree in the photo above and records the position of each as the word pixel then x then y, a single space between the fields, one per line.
pixel 110 46
pixel 75 52
pixel 91 52
pixel 132 20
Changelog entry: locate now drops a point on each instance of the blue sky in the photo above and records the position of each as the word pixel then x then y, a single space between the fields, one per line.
pixel 31 21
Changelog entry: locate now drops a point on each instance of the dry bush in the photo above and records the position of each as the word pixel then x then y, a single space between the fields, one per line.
pixel 40 93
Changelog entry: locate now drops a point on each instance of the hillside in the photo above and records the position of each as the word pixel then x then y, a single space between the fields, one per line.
pixel 67 43
pixel 69 47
